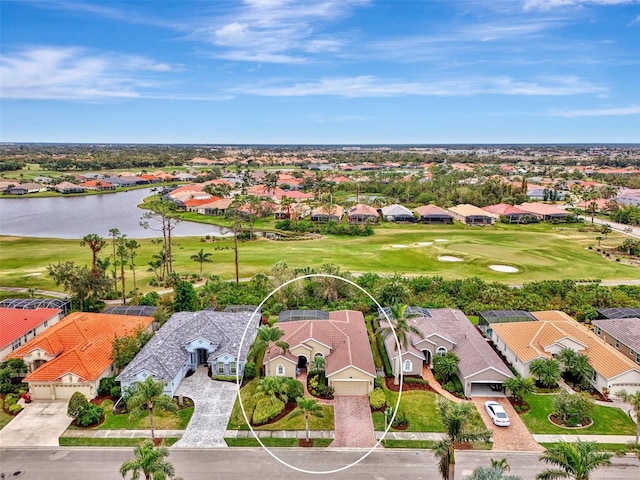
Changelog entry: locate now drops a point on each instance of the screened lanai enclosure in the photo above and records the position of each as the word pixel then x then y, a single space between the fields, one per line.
pixel 33 303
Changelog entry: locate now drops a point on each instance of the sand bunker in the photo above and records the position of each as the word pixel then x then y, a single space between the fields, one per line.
pixel 424 244
pixel 399 246
pixel 33 274
pixel 441 240
pixel 503 268
pixel 449 258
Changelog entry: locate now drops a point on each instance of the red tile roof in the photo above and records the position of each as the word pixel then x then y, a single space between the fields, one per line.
pixel 504 209
pixel 81 343
pixel 15 322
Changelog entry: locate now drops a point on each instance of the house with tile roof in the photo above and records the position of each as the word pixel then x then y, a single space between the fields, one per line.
pixel 362 213
pixel 68 187
pixel 19 325
pixel 192 339
pixel 433 214
pixel 445 330
pixel 332 213
pixel 397 213
pixel 75 354
pixel 521 343
pixel 511 213
pixel 341 340
pixel 472 215
pixel 621 333
pixel 543 211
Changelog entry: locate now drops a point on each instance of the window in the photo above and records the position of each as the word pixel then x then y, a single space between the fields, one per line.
pixel 441 351
pixel 319 354
pixel 233 368
pixel 617 344
pixel 220 368
pixel 407 366
pixel 598 330
pixel 638 358
pixel 280 370
pixel 46 323
pixel 594 376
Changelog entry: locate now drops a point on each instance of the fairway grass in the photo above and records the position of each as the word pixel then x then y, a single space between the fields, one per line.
pixel 538 251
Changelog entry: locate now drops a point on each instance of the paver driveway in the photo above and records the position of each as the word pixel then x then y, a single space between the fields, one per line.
pixel 213 404
pixel 514 438
pixel 38 425
pixel 353 422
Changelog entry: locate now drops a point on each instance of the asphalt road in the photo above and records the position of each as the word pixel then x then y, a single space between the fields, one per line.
pixel 256 464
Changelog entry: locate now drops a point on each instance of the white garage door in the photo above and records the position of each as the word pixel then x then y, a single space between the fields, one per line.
pixel 351 387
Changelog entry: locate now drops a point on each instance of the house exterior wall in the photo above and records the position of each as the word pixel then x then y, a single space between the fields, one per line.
pixel 629 381
pixel 416 364
pixel 224 363
pixel 271 368
pixel 317 347
pixel 66 386
pixel 349 374
pixel 617 344
pixel 7 349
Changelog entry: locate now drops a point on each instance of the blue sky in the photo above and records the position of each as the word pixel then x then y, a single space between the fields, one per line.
pixel 320 71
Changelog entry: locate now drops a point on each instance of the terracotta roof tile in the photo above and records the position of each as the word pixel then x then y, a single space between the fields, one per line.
pixel 15 322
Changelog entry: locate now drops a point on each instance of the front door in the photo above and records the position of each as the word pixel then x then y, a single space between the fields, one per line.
pixel 202 355
pixel 427 357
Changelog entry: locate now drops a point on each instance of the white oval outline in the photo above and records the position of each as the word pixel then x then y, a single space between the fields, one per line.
pixel 238 380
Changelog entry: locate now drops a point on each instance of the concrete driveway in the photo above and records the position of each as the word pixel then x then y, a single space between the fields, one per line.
pixel 353 423
pixel 213 404
pixel 38 425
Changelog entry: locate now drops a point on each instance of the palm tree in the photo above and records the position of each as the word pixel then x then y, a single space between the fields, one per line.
pixel 201 258
pixel 632 399
pixel 403 330
pixel 497 471
pixel 272 388
pixel 445 366
pixel 150 461
pixel 573 460
pixel 267 335
pixel 547 370
pixel 114 233
pixel 576 364
pixel 455 418
pixel 519 387
pixel 95 243
pixel 309 407
pixel 149 396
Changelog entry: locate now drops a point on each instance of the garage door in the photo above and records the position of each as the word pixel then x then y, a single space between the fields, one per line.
pixel 351 387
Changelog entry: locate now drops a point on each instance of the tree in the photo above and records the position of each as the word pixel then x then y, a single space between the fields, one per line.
pixel 265 336
pixel 519 387
pixel 497 471
pixel 309 407
pixel 456 418
pixel 149 461
pixel 577 365
pixel 201 258
pixel 573 409
pixel 163 212
pixel 77 403
pixel 632 399
pixel 445 366
pixel 131 246
pixel 123 259
pixel 547 370
pixel 114 233
pixel 186 299
pixel 403 330
pixel 82 283
pixel 148 396
pixel 573 460
pixel 272 388
pixel 123 349
pixel 605 229
pixel 96 243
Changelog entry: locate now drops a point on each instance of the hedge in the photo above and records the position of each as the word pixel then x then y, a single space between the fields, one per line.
pixel 267 409
pixel 377 399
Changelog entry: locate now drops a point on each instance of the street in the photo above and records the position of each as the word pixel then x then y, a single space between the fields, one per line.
pixel 257 464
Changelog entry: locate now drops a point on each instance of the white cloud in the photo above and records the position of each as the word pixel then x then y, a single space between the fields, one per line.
pixel 549 4
pixel 371 86
pixel 598 112
pixel 69 73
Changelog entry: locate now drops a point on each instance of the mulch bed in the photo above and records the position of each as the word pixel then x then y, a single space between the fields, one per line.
pixel 522 407
pixel 303 442
pixel 556 421
pixel 463 446
pixel 404 426
pixel 288 408
pixel 407 386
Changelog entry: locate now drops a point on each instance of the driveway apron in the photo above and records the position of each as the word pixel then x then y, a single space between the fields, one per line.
pixel 514 438
pixel 213 402
pixel 38 425
pixel 353 422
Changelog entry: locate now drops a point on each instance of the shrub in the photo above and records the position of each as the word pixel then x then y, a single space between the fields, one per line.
pixel 377 382
pixel 224 378
pixel 115 392
pixel 106 384
pixel 266 410
pixel 10 400
pixel 293 388
pixel 77 403
pixel 400 419
pixel 377 399
pixel 90 415
pixel 15 408
pixel 454 386
pixel 250 370
pixel 417 381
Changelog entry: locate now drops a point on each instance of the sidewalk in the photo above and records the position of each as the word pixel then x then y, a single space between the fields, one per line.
pixel 122 433
pixel 585 438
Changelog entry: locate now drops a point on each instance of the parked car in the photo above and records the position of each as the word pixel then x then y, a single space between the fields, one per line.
pixel 496 413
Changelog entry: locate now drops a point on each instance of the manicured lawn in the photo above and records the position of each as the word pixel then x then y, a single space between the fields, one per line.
pixel 606 420
pixel 108 442
pixel 4 418
pixel 162 421
pixel 274 442
pixel 237 422
pixel 539 251
pixel 420 410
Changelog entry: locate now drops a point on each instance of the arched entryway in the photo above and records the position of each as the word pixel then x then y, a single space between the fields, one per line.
pixel 427 357
pixel 302 362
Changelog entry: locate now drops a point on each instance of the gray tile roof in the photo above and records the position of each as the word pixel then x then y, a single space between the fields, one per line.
pixel 164 355
pixel 470 346
pixel 627 330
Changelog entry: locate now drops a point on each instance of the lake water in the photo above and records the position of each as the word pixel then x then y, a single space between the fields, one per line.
pixel 75 217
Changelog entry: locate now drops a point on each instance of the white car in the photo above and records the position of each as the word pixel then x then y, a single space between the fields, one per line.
pixel 496 413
